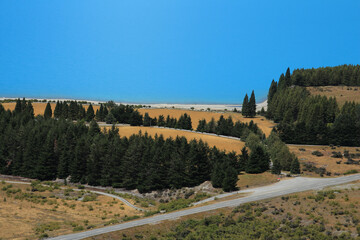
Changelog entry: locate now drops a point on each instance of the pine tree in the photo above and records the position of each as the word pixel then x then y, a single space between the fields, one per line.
pixel 18 107
pixel 110 119
pixel 258 161
pixel 90 113
pixel 48 111
pixel 64 110
pixel 282 83
pixel 295 166
pixel 147 120
pixel 272 91
pixel 57 110
pixel 252 105
pixel 100 114
pixel 230 178
pixel 201 126
pixel 287 78
pixel 276 167
pixel 244 158
pixel 23 105
pixel 81 113
pixel 30 109
pixel 245 106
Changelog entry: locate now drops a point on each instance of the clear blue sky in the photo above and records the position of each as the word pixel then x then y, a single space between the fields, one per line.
pixel 182 51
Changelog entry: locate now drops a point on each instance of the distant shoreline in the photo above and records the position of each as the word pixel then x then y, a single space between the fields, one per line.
pixel 194 106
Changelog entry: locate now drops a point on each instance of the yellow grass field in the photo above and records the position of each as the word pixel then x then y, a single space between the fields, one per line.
pixel 220 142
pixel 325 161
pixel 39 108
pixel 342 93
pixel 255 180
pixel 265 125
pixel 23 219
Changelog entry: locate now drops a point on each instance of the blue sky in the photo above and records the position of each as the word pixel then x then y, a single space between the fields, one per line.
pixel 179 51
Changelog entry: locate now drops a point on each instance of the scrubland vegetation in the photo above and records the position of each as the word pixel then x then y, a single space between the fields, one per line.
pixel 326 214
pixel 48 209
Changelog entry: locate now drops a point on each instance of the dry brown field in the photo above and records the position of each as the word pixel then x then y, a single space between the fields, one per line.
pixel 247 180
pixel 39 108
pixel 342 93
pixel 325 161
pixel 23 219
pixel 265 125
pixel 220 142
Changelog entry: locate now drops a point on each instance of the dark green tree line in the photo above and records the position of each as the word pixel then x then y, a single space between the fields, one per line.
pixel 49 148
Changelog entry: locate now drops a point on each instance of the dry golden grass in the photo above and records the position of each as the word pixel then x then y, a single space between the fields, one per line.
pixel 39 108
pixel 220 142
pixel 265 125
pixel 325 161
pixel 255 180
pixel 342 93
pixel 19 218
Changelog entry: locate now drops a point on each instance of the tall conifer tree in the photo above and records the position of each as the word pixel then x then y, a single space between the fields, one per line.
pixel 48 111
pixel 245 106
pixel 252 105
pixel 90 113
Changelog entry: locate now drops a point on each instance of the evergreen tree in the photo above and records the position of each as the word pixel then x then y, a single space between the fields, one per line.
pixel 252 105
pixel 287 78
pixel 30 109
pixel 81 113
pixel 276 167
pixel 161 121
pixel 147 120
pixel 295 166
pixel 90 113
pixel 244 158
pixel 100 114
pixel 64 110
pixel 201 126
pixel 57 110
pixel 48 111
pixel 258 161
pixel 282 83
pixel 272 90
pixel 245 106
pixel 110 119
pixel 230 178
pixel 18 107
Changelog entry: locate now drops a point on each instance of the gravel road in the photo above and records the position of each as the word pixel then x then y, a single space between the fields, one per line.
pixel 282 188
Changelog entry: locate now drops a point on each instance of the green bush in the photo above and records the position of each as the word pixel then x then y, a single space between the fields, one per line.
pixel 353 171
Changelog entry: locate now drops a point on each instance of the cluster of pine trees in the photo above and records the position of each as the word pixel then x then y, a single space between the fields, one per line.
pixel 265 150
pixel 249 106
pixel 184 121
pixel 49 148
pixel 348 75
pixel 226 126
pixel 72 111
pixel 112 113
pixel 312 119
